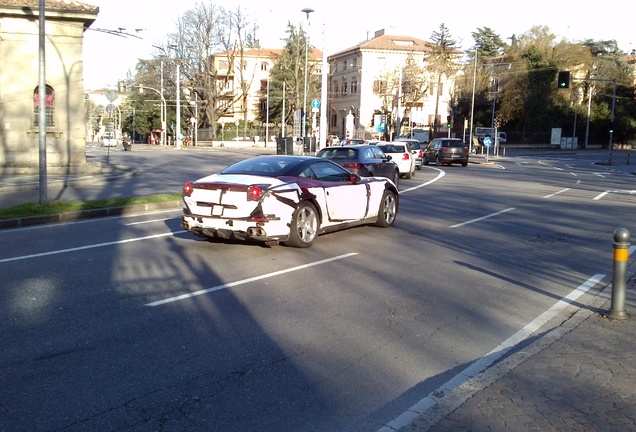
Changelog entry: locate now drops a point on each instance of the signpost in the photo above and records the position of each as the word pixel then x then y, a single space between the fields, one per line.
pixel 488 142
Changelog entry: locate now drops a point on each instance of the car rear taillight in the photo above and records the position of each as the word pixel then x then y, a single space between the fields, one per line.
pixel 420 155
pixel 465 149
pixel 187 189
pixel 254 193
pixel 406 156
pixel 443 149
pixel 352 165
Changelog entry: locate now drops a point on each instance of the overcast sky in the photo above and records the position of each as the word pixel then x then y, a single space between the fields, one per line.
pixel 107 57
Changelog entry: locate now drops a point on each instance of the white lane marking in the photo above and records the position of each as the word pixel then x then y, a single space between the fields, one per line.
pixel 486 361
pixel 557 193
pixel 625 192
pixel 551 166
pixel 601 195
pixel 482 218
pixel 248 280
pixel 94 246
pixel 148 221
pixel 440 174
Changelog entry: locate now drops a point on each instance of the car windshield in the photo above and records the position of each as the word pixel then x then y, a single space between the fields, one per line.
pixel 393 148
pixel 451 143
pixel 269 166
pixel 338 153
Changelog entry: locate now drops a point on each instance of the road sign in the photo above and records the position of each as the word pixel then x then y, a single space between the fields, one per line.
pixel 488 141
pixel 315 103
pixel 112 96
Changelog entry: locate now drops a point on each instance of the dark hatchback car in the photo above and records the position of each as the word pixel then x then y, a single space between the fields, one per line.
pixel 446 151
pixel 364 160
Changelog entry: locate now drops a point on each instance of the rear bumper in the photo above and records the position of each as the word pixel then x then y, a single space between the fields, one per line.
pixel 212 227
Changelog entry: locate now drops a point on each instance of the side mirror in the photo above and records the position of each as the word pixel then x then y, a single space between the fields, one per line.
pixel 389 157
pixel 354 178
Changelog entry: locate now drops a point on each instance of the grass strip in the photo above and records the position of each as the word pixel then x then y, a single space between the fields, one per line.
pixel 55 207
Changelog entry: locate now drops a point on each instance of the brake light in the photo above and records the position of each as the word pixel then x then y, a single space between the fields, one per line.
pixel 465 149
pixel 443 149
pixel 420 155
pixel 406 156
pixel 254 193
pixel 187 189
pixel 352 165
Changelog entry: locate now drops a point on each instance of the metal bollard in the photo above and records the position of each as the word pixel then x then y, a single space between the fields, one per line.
pixel 621 255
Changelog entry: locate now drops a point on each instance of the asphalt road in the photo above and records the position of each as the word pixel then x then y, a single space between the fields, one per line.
pixel 129 323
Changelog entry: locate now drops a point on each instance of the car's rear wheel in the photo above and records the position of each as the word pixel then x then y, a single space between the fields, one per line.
pixel 387 210
pixel 438 161
pixel 464 164
pixel 304 226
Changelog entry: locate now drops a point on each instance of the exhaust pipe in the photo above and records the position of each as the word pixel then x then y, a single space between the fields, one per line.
pixel 256 232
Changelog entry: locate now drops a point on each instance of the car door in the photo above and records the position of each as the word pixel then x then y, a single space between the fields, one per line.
pixel 431 150
pixel 384 167
pixel 345 200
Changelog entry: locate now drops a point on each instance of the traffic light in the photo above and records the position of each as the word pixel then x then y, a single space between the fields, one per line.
pixel 563 79
pixel 449 122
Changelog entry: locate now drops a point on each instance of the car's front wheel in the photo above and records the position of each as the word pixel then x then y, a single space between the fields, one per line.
pixel 388 209
pixel 396 177
pixel 304 226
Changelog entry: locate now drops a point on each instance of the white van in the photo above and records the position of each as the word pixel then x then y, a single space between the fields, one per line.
pixel 483 132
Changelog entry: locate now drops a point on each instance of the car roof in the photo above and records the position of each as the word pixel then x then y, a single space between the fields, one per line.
pixel 394 146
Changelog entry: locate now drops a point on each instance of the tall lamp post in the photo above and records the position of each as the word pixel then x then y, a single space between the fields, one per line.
pixel 163 108
pixel 307 11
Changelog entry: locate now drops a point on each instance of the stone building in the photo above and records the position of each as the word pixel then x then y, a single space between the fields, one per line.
pixel 65 24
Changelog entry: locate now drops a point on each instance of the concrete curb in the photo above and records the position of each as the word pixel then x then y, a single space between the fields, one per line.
pixel 88 214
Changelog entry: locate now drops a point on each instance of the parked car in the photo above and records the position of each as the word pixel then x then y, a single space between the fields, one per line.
pixel 446 151
pixel 289 199
pixel 109 141
pixel 400 153
pixel 351 141
pixel 364 160
pixel 416 149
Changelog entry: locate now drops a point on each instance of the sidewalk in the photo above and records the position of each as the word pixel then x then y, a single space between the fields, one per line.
pixel 580 376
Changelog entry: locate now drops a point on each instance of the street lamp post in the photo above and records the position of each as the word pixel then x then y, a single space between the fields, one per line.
pixel 178 137
pixel 163 108
pixel 307 11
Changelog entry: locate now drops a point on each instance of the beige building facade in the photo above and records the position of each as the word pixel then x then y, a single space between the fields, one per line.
pixel 358 74
pixel 65 23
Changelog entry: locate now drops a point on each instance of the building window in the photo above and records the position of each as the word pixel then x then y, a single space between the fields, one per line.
pixel 223 65
pixel 379 87
pixel 354 87
pixel 264 86
pixel 354 63
pixel 344 65
pixel 264 66
pixel 334 120
pixel 440 89
pixel 344 88
pixel 49 106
